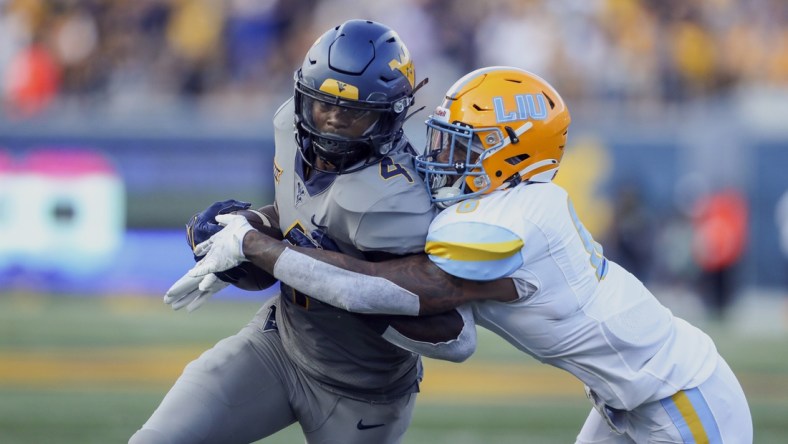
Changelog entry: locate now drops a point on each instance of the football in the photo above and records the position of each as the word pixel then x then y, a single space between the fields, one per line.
pixel 266 221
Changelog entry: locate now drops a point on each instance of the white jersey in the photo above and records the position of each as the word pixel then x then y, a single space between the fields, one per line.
pixel 576 310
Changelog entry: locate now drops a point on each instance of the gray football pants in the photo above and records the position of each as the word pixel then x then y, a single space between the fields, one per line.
pixel 246 388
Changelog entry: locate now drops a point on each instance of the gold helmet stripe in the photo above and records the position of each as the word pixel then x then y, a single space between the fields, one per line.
pixel 339 89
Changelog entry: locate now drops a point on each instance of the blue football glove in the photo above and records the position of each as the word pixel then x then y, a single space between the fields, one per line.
pixel 203 225
pixel 319 240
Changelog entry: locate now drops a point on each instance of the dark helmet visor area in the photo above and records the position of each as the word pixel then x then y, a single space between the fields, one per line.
pixel 341 132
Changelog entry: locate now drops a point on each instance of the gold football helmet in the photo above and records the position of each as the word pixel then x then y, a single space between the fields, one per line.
pixel 496 127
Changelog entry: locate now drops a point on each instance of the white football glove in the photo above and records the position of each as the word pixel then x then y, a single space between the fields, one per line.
pixel 223 250
pixel 192 292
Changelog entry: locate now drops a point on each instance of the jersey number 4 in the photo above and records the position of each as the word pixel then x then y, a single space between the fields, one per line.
pixel 389 169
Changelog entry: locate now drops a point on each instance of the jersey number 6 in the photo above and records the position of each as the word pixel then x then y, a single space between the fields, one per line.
pixel 593 248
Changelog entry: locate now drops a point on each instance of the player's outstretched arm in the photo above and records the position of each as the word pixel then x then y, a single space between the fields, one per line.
pixel 411 285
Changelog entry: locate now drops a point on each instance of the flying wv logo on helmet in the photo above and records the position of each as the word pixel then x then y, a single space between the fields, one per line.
pixel 529 106
pixel 404 65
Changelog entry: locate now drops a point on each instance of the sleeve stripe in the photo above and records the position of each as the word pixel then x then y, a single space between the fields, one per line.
pixel 479 270
pixel 473 252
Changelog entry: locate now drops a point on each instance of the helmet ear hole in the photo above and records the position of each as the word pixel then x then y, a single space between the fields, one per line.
pixel 517 159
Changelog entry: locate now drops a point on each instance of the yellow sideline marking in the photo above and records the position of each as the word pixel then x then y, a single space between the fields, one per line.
pixel 158 367
pixel 67 367
pixel 496 381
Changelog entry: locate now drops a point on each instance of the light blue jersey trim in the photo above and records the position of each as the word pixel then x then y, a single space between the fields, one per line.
pixel 475 250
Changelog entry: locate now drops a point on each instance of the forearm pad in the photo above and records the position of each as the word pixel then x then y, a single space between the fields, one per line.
pixel 351 291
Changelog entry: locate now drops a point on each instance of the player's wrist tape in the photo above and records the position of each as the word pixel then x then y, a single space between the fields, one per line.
pixel 349 291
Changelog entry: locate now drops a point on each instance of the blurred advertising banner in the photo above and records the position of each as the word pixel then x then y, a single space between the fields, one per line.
pixel 64 226
pixel 62 210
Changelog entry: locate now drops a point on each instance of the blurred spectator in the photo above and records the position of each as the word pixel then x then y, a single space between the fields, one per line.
pixel 635 52
pixel 720 236
pixel 251 35
pixel 194 35
pixel 781 218
pixel 518 33
pixel 692 58
pixel 674 266
pixel 31 81
pixel 631 239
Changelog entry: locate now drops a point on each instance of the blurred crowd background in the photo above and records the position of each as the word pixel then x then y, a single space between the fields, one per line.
pixel 678 152
pixel 224 54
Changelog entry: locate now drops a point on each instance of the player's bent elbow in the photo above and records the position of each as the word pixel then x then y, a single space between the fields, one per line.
pixel 461 353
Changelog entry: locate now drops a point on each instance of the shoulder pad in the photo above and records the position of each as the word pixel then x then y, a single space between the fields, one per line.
pixel 284 117
pixel 393 232
pixel 384 206
pixel 380 215
pixel 388 186
pixel 475 250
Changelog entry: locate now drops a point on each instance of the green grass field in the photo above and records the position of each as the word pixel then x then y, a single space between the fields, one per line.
pixel 82 370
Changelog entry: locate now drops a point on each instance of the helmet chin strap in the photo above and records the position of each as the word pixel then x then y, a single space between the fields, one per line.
pixel 545 176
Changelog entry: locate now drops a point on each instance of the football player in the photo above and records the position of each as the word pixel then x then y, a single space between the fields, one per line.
pixel 343 165
pixel 510 244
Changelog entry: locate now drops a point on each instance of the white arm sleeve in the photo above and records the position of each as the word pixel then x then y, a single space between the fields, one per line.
pixel 344 289
pixel 456 350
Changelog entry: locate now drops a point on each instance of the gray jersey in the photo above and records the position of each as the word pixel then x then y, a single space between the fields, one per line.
pixel 384 207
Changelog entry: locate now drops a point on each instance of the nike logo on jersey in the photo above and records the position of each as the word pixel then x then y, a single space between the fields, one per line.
pixel 362 426
pixel 300 192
